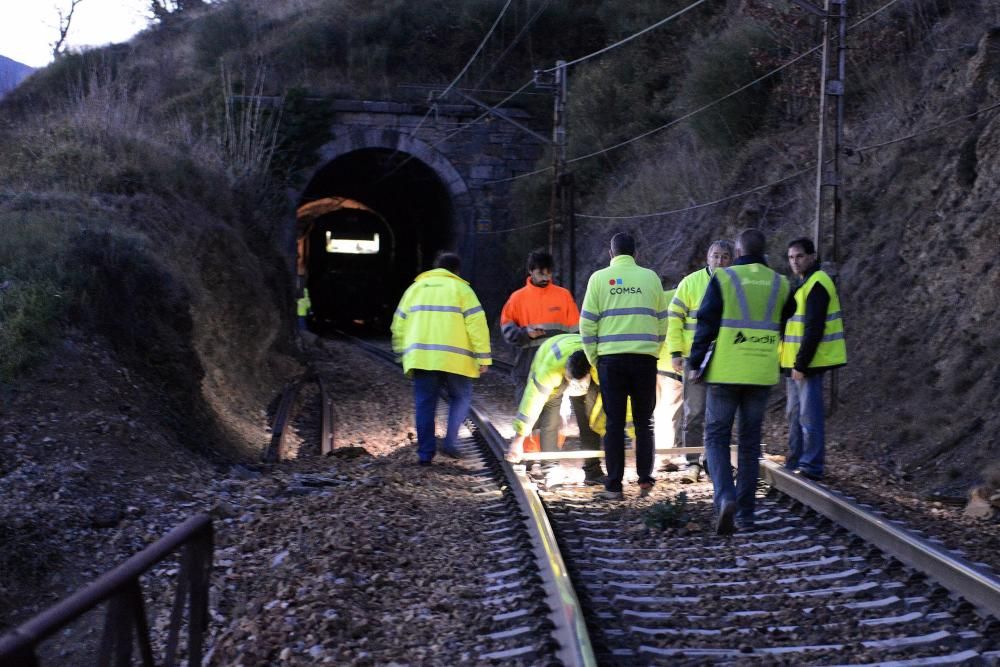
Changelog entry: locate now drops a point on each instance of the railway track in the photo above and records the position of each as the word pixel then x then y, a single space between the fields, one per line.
pixel 819 581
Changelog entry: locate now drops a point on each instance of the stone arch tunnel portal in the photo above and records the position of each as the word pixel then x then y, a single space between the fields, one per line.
pixel 368 222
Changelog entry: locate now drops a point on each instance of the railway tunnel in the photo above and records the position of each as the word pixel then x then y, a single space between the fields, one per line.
pixel 367 223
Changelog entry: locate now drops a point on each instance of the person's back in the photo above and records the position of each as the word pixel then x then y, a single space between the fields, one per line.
pixel 740 318
pixel 624 323
pixel 439 330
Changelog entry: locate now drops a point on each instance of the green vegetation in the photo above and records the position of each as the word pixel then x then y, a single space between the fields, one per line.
pixel 32 284
pixel 671 513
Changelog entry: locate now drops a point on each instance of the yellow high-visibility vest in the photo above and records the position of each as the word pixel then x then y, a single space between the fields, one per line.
pixel 832 349
pixel 304 304
pixel 746 349
pixel 682 312
pixel 440 325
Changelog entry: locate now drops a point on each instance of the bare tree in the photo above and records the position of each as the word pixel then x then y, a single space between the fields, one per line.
pixel 65 20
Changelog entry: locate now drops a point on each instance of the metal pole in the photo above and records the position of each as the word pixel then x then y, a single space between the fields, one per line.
pixel 571 219
pixel 821 139
pixel 558 152
pixel 838 198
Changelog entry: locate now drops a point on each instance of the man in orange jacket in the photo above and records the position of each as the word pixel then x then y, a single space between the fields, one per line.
pixel 533 313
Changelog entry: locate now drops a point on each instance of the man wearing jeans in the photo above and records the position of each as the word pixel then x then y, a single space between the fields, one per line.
pixel 740 320
pixel 623 323
pixel 813 342
pixel 439 330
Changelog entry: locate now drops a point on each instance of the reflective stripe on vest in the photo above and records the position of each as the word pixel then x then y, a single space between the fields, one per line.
pixel 832 349
pixel 746 349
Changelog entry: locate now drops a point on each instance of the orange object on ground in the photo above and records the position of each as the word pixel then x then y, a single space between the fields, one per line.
pixel 533 442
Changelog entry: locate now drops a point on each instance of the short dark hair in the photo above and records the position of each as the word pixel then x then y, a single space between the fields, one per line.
pixel 622 243
pixel 449 261
pixel 540 259
pixel 752 241
pixel 807 245
pixel 577 365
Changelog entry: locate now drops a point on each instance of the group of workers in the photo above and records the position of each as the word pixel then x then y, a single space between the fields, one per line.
pixel 678 365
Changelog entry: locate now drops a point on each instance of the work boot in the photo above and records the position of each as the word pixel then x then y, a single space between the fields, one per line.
pixel 610 495
pixel 725 524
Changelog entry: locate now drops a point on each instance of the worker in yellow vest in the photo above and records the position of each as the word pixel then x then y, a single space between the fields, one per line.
pixel 439 331
pixel 735 351
pixel 560 367
pixel 668 416
pixel 813 343
pixel 303 305
pixel 624 323
pixel 682 321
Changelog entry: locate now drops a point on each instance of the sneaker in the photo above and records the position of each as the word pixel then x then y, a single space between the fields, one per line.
pixel 725 524
pixel 692 474
pixel 610 495
pixel 645 488
pixel 809 475
pixel 595 480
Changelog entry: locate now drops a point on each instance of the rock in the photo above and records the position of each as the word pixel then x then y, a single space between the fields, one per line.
pixel 105 517
pixel 979 505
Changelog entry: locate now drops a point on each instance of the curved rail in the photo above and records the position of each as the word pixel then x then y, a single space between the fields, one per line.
pixel 276 447
pixel 570 628
pixel 567 615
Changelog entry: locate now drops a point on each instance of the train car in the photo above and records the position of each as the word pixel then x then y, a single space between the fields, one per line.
pixel 347 259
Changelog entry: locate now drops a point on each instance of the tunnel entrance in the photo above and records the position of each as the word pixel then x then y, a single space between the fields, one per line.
pixel 369 221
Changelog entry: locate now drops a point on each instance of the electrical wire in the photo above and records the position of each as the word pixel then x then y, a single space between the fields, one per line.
pixel 704 107
pixel 630 37
pixel 516 229
pixel 796 174
pixel 695 207
pixel 517 38
pixel 478 49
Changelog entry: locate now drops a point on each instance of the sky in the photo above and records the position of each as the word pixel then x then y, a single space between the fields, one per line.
pixel 29 27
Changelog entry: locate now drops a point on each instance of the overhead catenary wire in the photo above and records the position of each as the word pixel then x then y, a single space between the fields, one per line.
pixel 700 109
pixel 517 38
pixel 800 172
pixel 628 39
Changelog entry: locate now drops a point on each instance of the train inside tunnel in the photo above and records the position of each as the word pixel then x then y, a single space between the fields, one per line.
pixel 367 223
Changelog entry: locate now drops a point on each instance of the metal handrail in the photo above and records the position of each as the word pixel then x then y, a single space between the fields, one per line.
pixel 126 610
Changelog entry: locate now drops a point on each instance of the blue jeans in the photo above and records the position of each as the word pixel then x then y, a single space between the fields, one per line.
pixel 806 428
pixel 427 386
pixel 624 376
pixel 720 410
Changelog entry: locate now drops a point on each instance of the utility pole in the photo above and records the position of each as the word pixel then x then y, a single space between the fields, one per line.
pixel 556 205
pixel 831 93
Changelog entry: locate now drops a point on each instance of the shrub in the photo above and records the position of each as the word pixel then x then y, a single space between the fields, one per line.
pixel 668 513
pixel 32 299
pixel 719 66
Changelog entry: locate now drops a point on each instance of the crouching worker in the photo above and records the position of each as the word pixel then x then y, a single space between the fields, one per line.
pixel 560 367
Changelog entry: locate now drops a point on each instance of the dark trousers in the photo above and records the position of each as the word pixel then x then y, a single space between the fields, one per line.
pixel 624 376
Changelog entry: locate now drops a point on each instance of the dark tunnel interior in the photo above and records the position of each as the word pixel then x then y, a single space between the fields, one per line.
pixel 355 281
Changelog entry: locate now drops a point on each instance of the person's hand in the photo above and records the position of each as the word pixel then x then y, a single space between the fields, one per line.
pixel 536 332
pixel 483 369
pixel 678 364
pixel 516 449
pixel 798 376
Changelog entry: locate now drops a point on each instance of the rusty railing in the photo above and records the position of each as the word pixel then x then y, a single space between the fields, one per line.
pixel 125 623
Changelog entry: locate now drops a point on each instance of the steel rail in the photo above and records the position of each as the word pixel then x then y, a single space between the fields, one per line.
pixel 955 574
pixel 567 615
pixel 326 437
pixel 281 417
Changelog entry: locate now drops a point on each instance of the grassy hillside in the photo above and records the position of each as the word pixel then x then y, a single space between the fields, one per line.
pixel 154 212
